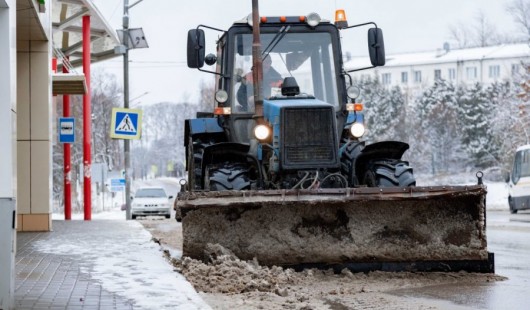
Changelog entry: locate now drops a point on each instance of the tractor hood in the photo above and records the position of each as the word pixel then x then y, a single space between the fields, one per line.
pixel 272 107
pixel 304 133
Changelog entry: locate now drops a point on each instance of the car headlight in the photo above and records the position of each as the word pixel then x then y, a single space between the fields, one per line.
pixel 262 132
pixel 357 130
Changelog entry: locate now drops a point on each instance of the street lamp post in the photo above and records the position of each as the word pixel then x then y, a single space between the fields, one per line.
pixel 126 146
pixel 126 142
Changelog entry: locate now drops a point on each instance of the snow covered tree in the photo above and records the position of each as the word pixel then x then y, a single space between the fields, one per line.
pixel 438 136
pixel 475 112
pixel 506 128
pixel 383 110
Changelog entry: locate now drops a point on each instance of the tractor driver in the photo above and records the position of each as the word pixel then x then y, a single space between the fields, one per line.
pixel 272 81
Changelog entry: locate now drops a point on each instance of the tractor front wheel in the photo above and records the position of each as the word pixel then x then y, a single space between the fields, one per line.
pixel 389 173
pixel 228 176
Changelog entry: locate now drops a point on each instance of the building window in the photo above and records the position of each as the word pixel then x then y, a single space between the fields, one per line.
pixel 452 74
pixel 437 74
pixel 494 71
pixel 417 76
pixel 471 73
pixel 386 77
pixel 515 69
pixel 404 77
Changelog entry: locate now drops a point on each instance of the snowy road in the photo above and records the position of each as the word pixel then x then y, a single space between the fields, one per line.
pixel 509 239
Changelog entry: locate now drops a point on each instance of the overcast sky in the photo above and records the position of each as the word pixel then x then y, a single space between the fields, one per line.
pixel 161 70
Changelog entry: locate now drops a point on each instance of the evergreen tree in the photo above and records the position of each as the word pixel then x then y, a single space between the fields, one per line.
pixel 382 111
pixel 475 112
pixel 506 131
pixel 439 127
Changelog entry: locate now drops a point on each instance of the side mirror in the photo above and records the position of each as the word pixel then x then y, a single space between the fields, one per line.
pixel 196 48
pixel 170 197
pixel 132 198
pixel 507 177
pixel 376 47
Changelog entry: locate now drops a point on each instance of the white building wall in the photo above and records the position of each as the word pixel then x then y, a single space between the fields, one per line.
pixel 461 68
pixel 8 153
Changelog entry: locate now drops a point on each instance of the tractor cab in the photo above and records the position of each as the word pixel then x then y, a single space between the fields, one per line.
pixel 304 49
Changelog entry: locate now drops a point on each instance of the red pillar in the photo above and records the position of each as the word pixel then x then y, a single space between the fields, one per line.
pixel 67 163
pixel 87 119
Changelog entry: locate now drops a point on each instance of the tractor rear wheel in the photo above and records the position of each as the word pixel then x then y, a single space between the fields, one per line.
pixel 228 176
pixel 389 173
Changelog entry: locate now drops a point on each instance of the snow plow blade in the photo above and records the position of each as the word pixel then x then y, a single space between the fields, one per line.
pixel 362 229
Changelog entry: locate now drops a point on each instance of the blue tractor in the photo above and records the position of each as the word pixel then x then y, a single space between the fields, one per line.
pixel 277 169
pixel 305 133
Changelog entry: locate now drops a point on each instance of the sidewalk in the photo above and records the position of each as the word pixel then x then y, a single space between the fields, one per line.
pixel 98 264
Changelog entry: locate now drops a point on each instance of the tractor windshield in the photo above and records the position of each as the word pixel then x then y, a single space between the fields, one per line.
pixel 308 57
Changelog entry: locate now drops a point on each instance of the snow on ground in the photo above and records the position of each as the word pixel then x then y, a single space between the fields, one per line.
pixel 124 260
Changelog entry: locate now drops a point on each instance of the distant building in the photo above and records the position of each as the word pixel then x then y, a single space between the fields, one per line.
pixel 416 71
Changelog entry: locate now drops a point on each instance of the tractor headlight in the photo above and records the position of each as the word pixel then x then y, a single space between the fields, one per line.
pixel 357 130
pixel 262 132
pixel 221 96
pixel 353 92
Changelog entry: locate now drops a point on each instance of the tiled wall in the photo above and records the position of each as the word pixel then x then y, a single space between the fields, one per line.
pixel 34 136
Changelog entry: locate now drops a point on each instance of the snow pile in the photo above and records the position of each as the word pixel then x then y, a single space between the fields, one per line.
pixel 225 273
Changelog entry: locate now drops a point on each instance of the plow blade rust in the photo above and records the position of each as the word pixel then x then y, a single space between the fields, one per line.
pixel 414 228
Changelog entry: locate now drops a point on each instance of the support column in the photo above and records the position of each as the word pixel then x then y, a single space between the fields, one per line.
pixel 8 165
pixel 87 120
pixel 67 162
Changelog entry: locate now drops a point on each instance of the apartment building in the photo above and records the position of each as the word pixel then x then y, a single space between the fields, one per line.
pixel 415 71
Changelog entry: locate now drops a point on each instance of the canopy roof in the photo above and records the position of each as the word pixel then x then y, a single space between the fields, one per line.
pixel 67 18
pixel 67 30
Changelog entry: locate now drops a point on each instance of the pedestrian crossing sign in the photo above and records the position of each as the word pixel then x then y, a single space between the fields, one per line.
pixel 126 123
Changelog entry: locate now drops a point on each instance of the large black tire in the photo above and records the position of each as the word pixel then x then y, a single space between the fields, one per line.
pixel 347 162
pixel 513 210
pixel 195 153
pixel 389 173
pixel 228 176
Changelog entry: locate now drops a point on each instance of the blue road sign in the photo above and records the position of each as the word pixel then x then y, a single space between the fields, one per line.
pixel 117 185
pixel 126 123
pixel 66 129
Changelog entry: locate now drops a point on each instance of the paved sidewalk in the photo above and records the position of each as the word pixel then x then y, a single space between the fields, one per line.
pixel 99 264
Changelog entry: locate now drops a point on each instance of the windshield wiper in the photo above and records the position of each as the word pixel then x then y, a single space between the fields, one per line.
pixel 277 38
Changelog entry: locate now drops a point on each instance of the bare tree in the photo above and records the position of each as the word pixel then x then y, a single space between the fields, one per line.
pixel 460 34
pixel 520 11
pixel 105 95
pixel 207 94
pixel 484 32
pixel 479 33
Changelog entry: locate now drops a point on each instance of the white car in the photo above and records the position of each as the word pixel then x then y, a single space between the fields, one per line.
pixel 519 180
pixel 151 201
